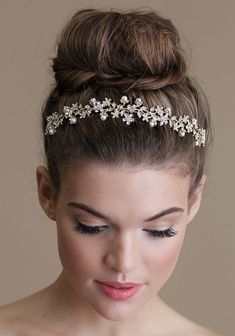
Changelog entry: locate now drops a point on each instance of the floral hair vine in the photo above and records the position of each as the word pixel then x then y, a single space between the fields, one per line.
pixel 154 116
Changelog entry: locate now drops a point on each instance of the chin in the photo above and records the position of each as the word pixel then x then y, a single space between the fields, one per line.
pixel 117 311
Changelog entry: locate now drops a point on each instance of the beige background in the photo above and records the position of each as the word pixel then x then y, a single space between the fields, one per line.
pixel 202 286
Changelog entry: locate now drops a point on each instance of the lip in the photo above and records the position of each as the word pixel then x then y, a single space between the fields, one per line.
pixel 119 293
pixel 118 284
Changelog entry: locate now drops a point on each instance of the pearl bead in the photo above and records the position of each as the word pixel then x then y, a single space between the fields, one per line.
pixel 73 120
pixel 103 117
pixel 51 131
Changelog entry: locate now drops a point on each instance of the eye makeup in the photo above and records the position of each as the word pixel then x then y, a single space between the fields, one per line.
pixel 95 230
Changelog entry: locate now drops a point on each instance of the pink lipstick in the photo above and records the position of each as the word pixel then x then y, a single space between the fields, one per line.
pixel 117 290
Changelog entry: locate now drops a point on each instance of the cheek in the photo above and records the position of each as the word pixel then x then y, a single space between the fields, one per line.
pixel 75 256
pixel 165 258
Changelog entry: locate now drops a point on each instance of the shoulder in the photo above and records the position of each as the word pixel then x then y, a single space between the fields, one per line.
pixel 18 318
pixel 183 326
pixel 194 329
pixel 8 320
pixel 205 332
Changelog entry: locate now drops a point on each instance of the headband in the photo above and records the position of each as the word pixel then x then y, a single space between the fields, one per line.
pixel 154 116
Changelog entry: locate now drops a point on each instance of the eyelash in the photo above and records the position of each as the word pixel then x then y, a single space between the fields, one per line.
pixel 85 229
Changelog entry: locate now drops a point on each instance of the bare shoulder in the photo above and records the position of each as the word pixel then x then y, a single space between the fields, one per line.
pixel 13 319
pixel 202 331
pixel 183 326
pixel 18 318
pixel 194 329
pixel 8 319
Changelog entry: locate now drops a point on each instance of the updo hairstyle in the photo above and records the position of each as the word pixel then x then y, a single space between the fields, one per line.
pixel 110 54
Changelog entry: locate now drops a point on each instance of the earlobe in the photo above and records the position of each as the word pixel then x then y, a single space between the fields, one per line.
pixel 45 191
pixel 195 200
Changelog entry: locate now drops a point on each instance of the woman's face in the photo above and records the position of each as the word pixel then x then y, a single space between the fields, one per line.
pixel 127 200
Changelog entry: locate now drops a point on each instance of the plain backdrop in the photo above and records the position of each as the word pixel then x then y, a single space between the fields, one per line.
pixel 202 285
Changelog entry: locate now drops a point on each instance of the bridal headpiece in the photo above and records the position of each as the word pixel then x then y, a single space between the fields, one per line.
pixel 154 116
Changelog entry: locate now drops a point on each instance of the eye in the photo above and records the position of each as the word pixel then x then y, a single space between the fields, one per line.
pixel 82 228
pixel 162 233
pixel 85 229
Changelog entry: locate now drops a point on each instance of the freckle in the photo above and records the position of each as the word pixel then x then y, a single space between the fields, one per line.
pixel 44 315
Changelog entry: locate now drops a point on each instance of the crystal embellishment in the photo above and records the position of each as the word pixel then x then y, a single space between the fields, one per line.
pixel 156 115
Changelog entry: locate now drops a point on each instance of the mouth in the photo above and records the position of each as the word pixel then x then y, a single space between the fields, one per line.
pixel 118 291
pixel 118 284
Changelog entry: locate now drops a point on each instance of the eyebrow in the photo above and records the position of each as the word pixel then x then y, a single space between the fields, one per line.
pixel 104 217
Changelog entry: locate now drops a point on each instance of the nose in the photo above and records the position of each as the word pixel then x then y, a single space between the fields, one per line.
pixel 123 253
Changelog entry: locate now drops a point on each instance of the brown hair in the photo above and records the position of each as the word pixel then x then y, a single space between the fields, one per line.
pixel 134 53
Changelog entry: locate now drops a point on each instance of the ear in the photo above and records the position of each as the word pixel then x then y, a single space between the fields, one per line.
pixel 45 192
pixel 195 199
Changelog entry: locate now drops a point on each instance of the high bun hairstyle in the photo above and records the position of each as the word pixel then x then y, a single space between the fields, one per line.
pixel 137 54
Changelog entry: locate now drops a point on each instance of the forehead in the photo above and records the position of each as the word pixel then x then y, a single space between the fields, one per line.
pixel 135 184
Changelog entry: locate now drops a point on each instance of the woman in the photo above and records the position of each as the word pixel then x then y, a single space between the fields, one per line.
pixel 126 136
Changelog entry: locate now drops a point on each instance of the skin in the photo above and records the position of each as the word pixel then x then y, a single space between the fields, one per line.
pixel 73 304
